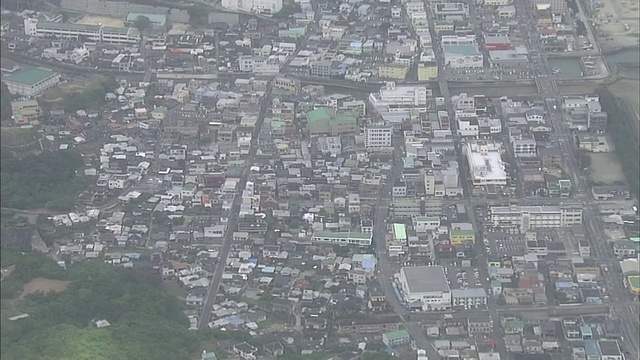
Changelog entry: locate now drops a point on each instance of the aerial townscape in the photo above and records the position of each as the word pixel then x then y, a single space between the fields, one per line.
pixel 320 179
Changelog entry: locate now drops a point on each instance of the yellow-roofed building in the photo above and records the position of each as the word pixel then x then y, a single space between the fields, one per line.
pixel 393 71
pixel 427 71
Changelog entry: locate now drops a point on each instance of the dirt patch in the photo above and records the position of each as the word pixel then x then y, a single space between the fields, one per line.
pixel 617 22
pixel 100 20
pixel 605 168
pixel 6 272
pixel 43 285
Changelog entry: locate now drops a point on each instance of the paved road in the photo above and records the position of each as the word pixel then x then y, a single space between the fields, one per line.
pixel 384 264
pixel 600 249
pixel 232 224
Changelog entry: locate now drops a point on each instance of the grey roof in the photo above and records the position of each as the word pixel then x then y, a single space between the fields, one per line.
pixel 468 293
pixel 426 279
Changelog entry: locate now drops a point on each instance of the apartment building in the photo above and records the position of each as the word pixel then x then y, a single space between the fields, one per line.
pixel 536 217
pixel 378 136
pixel 257 6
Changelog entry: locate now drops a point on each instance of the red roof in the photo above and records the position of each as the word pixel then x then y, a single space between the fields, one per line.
pixel 548 31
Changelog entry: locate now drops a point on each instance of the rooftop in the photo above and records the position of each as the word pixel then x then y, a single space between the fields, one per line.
pixel 399 231
pixel 464 50
pixel 468 293
pixel 342 235
pixel 609 348
pixel 398 334
pixel 30 76
pixel 487 165
pixel 425 278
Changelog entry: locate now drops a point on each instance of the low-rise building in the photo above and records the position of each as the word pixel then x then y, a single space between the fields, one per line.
pixel 342 238
pixel 474 297
pixel 396 338
pixel 25 111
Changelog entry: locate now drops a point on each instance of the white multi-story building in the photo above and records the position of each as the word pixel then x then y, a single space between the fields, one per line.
pixel 451 11
pixel 414 7
pixel 97 33
pixel 256 6
pixel 485 164
pixel 467 39
pixel 342 238
pixel 378 136
pixel 398 98
pixel 259 65
pixel 426 287
pixel 474 297
pixel 537 217
pixel 497 2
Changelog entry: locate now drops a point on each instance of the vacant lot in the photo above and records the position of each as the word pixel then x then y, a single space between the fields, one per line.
pixel 617 22
pixel 628 91
pixel 605 168
pixel 43 285
pixel 101 20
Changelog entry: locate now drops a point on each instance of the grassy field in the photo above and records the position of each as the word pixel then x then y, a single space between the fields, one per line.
pixel 605 168
pixel 627 90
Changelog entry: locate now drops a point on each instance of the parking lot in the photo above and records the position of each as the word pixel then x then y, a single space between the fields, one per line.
pixel 504 243
pixel 460 277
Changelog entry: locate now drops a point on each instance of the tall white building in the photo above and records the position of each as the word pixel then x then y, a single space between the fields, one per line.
pixel 398 98
pixel 485 164
pixel 378 136
pixel 256 6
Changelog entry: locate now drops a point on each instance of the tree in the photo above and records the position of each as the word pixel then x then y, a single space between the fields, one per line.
pixel 5 103
pixel 142 23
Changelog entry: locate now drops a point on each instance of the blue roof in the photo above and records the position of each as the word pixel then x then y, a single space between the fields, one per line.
pixel 591 348
pixel 534 111
pixel 586 330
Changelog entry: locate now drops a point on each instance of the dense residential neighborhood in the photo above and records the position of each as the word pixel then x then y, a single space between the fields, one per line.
pixel 323 179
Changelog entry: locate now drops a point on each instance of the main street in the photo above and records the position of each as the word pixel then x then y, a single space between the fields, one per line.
pixel 591 219
pixel 385 267
pixel 234 214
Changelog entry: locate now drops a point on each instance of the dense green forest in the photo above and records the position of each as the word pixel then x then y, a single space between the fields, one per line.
pixel 5 103
pixel 49 180
pixel 147 323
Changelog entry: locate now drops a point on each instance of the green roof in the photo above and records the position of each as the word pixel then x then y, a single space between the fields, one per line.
pixel 67 26
pixel 29 76
pixel 318 114
pixel 398 334
pixel 634 281
pixel 465 50
pixel 399 231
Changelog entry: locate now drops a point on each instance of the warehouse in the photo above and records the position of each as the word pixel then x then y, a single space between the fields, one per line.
pixel 462 57
pixel 31 81
pixel 514 58
pixel 425 286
